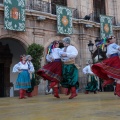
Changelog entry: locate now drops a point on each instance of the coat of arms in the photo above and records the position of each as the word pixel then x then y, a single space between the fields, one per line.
pixel 14 13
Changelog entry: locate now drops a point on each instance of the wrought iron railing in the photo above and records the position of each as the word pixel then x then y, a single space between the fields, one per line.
pixel 38 5
pixel 47 7
pixel 44 6
pixel 74 11
pixel 96 18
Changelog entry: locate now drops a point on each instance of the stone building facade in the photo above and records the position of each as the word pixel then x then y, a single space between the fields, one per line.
pixel 44 31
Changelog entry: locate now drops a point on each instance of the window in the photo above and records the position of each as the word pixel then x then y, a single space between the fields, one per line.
pixel 99 8
pixel 57 2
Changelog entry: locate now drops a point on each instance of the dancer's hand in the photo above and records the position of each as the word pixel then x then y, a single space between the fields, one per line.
pixel 64 55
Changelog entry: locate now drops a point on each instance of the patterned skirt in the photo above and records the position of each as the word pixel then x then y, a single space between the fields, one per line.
pixel 70 76
pixel 51 71
pixel 108 68
pixel 23 81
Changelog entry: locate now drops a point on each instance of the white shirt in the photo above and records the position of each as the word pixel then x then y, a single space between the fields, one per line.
pixel 112 49
pixel 87 70
pixel 71 53
pixel 20 66
pixel 54 55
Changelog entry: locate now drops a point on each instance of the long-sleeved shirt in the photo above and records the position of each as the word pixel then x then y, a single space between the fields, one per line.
pixel 71 53
pixel 54 55
pixel 112 49
pixel 20 66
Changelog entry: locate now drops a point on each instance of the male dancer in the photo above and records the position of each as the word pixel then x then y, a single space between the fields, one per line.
pixel 69 70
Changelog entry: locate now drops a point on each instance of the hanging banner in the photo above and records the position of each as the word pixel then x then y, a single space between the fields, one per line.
pixel 14 15
pixel 64 20
pixel 105 26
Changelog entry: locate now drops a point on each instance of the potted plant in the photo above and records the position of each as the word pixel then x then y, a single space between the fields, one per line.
pixel 36 51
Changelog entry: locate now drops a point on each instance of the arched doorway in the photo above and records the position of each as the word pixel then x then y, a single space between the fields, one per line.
pixel 10 51
pixel 5 62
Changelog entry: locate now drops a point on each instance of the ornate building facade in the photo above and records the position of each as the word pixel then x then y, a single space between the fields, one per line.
pixel 41 28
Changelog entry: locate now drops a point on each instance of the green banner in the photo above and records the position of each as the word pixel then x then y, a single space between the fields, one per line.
pixel 64 20
pixel 14 15
pixel 105 26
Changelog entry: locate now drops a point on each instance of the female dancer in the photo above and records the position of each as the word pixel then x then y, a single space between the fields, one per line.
pixel 109 69
pixel 53 70
pixel 23 80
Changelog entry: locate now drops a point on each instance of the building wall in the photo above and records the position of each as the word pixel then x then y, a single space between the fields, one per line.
pixel 44 32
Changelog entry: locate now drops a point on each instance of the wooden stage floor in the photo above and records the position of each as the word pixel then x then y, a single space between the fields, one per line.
pixel 101 106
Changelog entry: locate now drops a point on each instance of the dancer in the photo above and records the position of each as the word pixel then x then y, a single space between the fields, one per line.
pixel 109 69
pixel 31 72
pixel 69 70
pixel 53 70
pixel 23 80
pixel 92 84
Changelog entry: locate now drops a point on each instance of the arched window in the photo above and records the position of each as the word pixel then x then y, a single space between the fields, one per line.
pixel 99 9
pixel 57 2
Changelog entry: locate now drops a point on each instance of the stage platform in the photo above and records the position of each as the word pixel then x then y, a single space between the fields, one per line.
pixel 100 106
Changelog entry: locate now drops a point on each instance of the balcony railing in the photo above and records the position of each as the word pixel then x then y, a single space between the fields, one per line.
pixel 96 18
pixel 38 5
pixel 47 7
pixel 44 6
pixel 74 11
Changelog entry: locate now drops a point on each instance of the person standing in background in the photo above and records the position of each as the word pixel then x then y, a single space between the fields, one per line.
pixel 92 79
pixel 23 81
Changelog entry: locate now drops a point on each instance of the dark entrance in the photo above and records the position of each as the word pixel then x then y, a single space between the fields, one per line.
pixel 1 80
pixel 5 62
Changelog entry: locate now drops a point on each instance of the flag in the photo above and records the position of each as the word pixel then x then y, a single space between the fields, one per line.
pixel 14 15
pixel 64 20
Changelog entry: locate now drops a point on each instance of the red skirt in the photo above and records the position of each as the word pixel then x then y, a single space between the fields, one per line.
pixel 107 68
pixel 51 71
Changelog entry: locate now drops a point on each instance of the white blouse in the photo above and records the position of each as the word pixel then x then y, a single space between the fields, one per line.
pixel 54 55
pixel 71 53
pixel 27 66
pixel 112 49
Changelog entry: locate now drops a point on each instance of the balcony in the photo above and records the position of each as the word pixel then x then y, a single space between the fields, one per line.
pixel 95 17
pixel 47 7
pixel 38 5
pixel 44 6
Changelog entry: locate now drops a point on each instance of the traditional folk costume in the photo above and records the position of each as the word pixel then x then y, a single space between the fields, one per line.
pixel 32 78
pixel 23 80
pixel 53 70
pixel 92 83
pixel 109 69
pixel 69 70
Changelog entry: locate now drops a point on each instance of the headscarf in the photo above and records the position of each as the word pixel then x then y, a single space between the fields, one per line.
pixel 51 46
pixel 67 40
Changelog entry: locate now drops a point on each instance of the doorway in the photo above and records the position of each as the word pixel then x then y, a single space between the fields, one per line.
pixel 1 79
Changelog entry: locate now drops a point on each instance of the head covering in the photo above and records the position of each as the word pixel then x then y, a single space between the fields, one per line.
pixel 28 56
pixel 109 38
pixel 88 62
pixel 67 40
pixel 52 46
pixel 55 42
pixel 21 57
